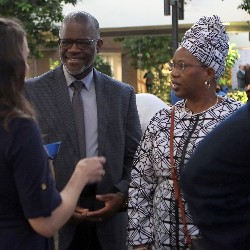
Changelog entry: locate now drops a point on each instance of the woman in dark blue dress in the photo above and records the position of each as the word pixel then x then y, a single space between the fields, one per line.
pixel 31 208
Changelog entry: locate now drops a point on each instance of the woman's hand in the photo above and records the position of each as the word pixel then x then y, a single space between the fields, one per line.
pixel 91 168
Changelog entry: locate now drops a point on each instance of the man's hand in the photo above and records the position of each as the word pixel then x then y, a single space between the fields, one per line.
pixel 113 203
pixel 79 215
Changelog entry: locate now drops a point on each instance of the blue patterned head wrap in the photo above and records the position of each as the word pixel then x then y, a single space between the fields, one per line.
pixel 207 40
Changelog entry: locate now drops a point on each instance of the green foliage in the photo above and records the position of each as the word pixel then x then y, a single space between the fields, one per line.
pixel 231 58
pixel 151 53
pixel 161 86
pixel 99 64
pixel 103 66
pixel 245 5
pixel 40 19
pixel 53 64
pixel 238 95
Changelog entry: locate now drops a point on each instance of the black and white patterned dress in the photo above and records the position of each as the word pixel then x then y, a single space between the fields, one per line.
pixel 153 214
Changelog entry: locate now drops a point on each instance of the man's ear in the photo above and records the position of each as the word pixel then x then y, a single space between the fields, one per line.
pixel 99 45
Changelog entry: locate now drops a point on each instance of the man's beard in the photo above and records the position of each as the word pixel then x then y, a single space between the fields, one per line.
pixel 74 73
pixel 84 67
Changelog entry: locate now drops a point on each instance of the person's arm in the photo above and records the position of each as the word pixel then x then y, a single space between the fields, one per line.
pixel 42 205
pixel 88 170
pixel 133 136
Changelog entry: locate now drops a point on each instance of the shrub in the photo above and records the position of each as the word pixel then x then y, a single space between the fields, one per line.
pixel 238 95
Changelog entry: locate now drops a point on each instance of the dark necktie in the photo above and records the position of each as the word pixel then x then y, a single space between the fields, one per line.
pixel 87 198
pixel 78 111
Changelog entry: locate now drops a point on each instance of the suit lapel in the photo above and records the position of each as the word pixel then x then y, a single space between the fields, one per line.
pixel 103 95
pixel 61 95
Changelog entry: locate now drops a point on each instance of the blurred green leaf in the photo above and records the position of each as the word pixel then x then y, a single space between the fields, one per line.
pixel 40 19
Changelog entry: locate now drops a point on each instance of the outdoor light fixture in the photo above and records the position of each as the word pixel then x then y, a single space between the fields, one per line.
pixel 177 14
pixel 179 4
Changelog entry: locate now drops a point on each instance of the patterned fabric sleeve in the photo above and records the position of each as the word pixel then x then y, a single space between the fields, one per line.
pixel 141 191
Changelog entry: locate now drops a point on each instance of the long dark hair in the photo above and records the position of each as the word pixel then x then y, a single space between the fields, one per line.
pixel 12 72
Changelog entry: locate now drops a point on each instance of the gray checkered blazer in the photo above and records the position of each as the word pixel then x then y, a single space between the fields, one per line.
pixel 119 133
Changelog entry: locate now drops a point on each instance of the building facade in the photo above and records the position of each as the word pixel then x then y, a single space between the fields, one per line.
pixel 148 18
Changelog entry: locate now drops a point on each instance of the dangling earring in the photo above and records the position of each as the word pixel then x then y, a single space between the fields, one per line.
pixel 207 84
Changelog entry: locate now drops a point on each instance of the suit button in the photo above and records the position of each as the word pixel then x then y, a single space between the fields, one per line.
pixel 43 186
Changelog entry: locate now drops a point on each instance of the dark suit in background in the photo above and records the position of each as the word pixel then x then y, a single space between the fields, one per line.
pixel 241 77
pixel 216 184
pixel 118 136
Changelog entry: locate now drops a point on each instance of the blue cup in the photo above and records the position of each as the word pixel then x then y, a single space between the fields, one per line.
pixel 52 149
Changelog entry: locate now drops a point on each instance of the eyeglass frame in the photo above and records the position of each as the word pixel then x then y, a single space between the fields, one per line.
pixel 183 67
pixel 88 43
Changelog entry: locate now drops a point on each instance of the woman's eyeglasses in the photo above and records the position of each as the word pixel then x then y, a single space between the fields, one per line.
pixel 181 66
pixel 80 43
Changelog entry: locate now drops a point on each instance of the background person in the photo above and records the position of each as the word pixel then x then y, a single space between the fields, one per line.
pixel 241 77
pixel 147 105
pixel 31 208
pixel 247 74
pixel 216 185
pixel 219 91
pixel 173 98
pixel 149 81
pixel 112 129
pixel 197 65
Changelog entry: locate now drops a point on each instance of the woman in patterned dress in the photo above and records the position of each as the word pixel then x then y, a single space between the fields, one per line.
pixel 154 217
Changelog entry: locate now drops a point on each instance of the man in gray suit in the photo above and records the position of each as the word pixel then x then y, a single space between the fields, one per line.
pixel 112 129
